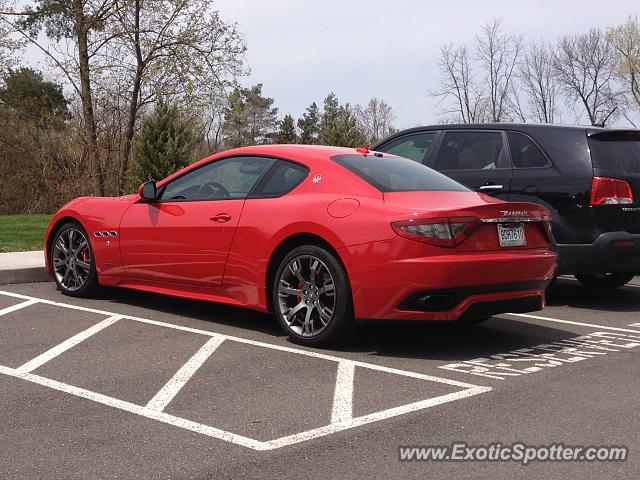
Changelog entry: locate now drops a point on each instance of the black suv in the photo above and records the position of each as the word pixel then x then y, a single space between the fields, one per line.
pixel 588 178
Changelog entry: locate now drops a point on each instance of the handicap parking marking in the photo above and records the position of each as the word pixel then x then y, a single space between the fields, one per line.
pixel 524 361
pixel 602 340
pixel 340 417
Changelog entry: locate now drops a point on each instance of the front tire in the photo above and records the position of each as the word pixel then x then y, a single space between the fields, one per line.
pixel 312 296
pixel 72 261
pixel 604 281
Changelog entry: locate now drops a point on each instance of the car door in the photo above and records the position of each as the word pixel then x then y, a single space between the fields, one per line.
pixel 185 236
pixel 478 159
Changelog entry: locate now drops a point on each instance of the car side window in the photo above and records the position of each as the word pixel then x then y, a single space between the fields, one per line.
pixel 525 153
pixel 280 179
pixel 414 147
pixel 229 178
pixel 470 150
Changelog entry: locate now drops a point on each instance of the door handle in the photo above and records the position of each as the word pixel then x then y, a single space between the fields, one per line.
pixel 491 188
pixel 221 217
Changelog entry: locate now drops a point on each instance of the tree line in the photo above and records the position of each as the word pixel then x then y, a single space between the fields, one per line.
pixel 592 76
pixel 134 90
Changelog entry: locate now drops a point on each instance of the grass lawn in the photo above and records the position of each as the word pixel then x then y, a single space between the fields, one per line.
pixel 22 232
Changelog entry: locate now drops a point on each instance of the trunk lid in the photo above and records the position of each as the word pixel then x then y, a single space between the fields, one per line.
pixel 487 214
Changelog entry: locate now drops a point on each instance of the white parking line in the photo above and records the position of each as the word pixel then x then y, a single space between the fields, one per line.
pixel 18 306
pixel 572 279
pixel 137 409
pixel 343 396
pixel 570 322
pixel 59 349
pixel 255 343
pixel 182 376
pixel 374 417
pixel 342 408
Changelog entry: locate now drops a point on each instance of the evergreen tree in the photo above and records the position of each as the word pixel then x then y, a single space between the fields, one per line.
pixel 350 134
pixel 339 125
pixel 250 118
pixel 164 144
pixel 309 125
pixel 286 131
pixel 31 97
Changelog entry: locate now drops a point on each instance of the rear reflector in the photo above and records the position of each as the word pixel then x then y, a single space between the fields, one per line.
pixel 610 191
pixel 442 232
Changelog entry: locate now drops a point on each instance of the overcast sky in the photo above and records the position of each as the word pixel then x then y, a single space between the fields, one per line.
pixel 301 50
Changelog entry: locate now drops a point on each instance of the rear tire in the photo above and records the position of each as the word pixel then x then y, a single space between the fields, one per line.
pixel 604 281
pixel 73 262
pixel 312 298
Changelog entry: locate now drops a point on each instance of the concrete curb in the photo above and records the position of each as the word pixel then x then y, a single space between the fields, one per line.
pixel 24 275
pixel 22 267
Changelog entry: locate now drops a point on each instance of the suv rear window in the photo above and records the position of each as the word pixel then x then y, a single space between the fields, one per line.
pixel 619 152
pixel 397 174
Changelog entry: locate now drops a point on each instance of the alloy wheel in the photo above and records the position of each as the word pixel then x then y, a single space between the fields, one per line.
pixel 71 259
pixel 306 295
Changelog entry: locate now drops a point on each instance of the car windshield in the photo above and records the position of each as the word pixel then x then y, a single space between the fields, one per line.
pixel 397 174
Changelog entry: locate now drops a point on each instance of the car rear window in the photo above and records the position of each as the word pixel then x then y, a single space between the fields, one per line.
pixel 620 153
pixel 397 174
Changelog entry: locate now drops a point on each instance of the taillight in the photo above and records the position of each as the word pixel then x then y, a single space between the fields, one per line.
pixel 442 232
pixel 610 191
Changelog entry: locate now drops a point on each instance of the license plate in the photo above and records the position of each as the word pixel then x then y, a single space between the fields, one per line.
pixel 511 235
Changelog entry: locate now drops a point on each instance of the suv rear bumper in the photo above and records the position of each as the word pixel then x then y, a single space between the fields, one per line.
pixel 610 252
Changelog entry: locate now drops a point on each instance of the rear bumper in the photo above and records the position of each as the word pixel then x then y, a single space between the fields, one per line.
pixel 610 252
pixel 387 276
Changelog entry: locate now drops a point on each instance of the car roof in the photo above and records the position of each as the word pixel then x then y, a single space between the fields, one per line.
pixel 313 156
pixel 523 127
pixel 498 126
pixel 287 150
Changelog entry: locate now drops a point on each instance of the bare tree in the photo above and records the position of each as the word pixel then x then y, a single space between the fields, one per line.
pixel 172 48
pixel 538 80
pixel 70 25
pixel 626 42
pixel 375 120
pixel 498 55
pixel 121 56
pixel 585 65
pixel 9 44
pixel 458 86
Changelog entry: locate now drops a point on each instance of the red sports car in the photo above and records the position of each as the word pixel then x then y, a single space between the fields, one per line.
pixel 317 235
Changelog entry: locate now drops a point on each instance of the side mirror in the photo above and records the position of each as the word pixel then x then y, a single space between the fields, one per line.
pixel 147 191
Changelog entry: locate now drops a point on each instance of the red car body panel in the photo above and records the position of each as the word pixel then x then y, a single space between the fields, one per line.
pixel 175 248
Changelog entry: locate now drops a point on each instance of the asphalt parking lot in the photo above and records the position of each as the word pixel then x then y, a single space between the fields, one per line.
pixel 135 385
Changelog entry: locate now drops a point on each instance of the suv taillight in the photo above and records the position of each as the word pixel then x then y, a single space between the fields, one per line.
pixel 610 191
pixel 442 232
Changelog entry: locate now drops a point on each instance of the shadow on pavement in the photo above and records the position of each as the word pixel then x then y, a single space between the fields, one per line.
pixel 571 293
pixel 427 340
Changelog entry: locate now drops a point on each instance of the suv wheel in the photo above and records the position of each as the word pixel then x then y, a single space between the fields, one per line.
pixel 312 296
pixel 604 281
